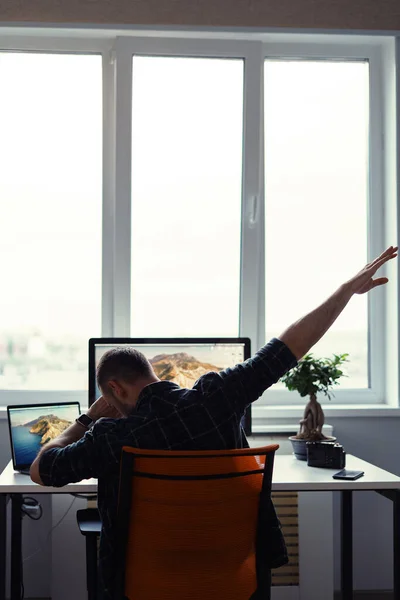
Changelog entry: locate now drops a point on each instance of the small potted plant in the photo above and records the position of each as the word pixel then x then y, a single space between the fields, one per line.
pixel 310 376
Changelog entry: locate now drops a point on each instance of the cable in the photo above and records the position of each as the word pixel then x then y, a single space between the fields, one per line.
pixel 85 496
pixel 33 503
pixel 50 532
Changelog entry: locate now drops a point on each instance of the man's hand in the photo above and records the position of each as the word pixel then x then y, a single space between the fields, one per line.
pixel 307 331
pixel 101 408
pixel 363 281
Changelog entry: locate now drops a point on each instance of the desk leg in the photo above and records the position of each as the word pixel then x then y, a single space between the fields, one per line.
pixel 396 545
pixel 347 544
pixel 3 545
pixel 16 547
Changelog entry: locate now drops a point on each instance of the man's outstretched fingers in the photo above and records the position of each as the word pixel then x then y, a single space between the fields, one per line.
pixel 389 251
pixel 381 260
pixel 379 281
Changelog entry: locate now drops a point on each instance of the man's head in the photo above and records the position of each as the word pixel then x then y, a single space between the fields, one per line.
pixel 122 373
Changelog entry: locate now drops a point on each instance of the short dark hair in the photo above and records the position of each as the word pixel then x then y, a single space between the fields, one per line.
pixel 123 363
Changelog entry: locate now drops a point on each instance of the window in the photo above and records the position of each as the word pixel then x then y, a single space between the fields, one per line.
pixel 316 198
pixel 187 132
pixel 189 187
pixel 50 226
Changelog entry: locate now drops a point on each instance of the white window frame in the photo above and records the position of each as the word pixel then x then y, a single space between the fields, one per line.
pixel 382 397
pixel 76 45
pixel 376 317
pixel 250 52
pixel 117 52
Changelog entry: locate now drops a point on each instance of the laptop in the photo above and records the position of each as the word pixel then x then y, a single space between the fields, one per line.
pixel 31 426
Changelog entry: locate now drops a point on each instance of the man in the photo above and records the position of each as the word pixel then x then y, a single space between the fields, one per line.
pixel 144 412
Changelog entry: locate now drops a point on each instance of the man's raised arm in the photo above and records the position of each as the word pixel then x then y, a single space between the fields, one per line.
pixel 308 330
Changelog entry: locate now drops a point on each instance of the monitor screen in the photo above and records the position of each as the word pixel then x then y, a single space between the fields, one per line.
pixel 181 360
pixel 31 426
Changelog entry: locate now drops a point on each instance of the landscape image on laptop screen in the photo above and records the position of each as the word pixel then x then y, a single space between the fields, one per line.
pixel 184 364
pixel 32 428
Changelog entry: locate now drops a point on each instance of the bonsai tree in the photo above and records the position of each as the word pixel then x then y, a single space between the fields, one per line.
pixel 310 376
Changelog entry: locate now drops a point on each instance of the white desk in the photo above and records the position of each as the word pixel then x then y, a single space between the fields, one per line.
pixel 16 483
pixel 289 475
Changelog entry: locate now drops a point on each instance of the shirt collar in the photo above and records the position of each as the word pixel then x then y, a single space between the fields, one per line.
pixel 154 388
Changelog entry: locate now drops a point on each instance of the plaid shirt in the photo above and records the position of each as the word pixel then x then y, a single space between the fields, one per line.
pixel 206 417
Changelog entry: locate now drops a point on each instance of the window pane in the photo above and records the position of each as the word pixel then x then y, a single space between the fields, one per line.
pixel 50 226
pixel 186 196
pixel 316 171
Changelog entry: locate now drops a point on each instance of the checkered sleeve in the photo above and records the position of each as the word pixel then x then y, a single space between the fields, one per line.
pixel 83 459
pixel 246 382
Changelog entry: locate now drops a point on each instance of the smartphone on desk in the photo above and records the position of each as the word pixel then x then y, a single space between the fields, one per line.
pixel 347 474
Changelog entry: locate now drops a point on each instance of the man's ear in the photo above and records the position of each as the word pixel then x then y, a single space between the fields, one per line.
pixel 113 385
pixel 115 388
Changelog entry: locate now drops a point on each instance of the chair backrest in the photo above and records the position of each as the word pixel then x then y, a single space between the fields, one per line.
pixel 188 523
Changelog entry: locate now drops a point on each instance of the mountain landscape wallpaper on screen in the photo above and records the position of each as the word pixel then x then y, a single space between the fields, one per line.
pixel 181 368
pixel 47 426
pixel 29 435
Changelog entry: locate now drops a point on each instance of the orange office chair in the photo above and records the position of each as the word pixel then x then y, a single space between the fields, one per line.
pixel 190 524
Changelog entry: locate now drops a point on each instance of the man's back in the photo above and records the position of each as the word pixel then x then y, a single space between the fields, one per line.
pixel 171 418
pixel 158 423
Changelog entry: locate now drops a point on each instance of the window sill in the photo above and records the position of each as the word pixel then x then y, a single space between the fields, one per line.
pixel 278 419
pixel 274 419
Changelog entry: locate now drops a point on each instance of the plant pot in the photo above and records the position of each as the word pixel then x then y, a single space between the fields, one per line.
pixel 300 448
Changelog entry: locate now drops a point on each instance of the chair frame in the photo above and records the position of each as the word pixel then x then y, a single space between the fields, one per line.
pixel 263 573
pixel 88 522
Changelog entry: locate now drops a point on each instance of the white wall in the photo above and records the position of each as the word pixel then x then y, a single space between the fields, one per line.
pixel 68 560
pixel 377 441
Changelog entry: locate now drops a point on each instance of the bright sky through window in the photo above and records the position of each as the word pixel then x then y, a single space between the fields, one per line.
pixel 187 137
pixel 316 198
pixel 51 211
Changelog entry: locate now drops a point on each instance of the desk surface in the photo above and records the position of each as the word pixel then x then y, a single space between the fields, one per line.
pixel 290 474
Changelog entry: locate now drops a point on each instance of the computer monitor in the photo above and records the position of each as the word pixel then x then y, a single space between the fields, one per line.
pixel 182 360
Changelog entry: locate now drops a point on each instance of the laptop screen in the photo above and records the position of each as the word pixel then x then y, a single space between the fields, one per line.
pixel 31 426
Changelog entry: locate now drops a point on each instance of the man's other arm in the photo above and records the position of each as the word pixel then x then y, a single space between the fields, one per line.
pixel 74 433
